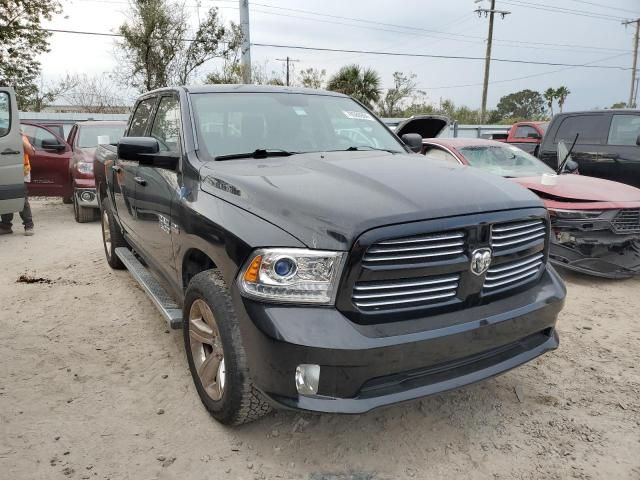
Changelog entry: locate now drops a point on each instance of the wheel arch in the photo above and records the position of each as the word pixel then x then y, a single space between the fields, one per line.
pixel 194 261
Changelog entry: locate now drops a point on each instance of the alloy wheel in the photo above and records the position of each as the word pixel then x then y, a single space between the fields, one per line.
pixel 106 233
pixel 206 349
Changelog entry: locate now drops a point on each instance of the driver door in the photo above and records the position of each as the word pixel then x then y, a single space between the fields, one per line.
pixel 50 174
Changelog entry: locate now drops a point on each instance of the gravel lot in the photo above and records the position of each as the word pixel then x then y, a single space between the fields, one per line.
pixel 92 385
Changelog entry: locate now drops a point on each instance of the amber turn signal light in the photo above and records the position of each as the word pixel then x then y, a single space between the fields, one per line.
pixel 251 274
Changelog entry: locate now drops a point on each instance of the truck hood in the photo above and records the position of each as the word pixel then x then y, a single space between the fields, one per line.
pixel 327 200
pixel 580 188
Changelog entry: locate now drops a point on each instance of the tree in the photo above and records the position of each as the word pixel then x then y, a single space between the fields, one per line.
pixel 96 94
pixel 550 95
pixel 524 105
pixel 51 91
pixel 562 93
pixel 619 105
pixel 21 42
pixel 404 87
pixel 363 84
pixel 312 77
pixel 231 73
pixel 158 48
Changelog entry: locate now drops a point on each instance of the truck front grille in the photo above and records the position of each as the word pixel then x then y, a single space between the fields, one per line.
pixel 627 221
pixel 512 274
pixel 515 236
pixel 406 292
pixel 420 248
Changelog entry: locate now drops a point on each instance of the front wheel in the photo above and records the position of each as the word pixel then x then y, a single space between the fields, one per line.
pixel 112 237
pixel 216 355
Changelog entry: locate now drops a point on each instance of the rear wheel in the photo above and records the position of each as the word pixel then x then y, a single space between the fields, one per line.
pixel 215 352
pixel 84 214
pixel 112 237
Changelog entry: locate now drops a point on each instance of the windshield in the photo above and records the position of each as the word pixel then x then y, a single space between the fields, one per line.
pixel 88 137
pixel 232 123
pixel 506 161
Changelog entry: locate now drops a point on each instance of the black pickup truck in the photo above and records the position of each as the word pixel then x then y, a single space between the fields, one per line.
pixel 313 261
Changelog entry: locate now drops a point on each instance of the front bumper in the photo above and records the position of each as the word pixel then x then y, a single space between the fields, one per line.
pixel 369 366
pixel 86 197
pixel 607 259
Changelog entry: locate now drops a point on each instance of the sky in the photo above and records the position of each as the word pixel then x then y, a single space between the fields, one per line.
pixel 575 32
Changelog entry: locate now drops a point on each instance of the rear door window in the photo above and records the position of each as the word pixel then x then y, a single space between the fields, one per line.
pixel 523 131
pixel 5 114
pixel 140 119
pixel 166 125
pixel 589 128
pixel 624 130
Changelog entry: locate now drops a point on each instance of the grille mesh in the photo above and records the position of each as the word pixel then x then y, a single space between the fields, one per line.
pixel 512 274
pixel 627 221
pixel 517 235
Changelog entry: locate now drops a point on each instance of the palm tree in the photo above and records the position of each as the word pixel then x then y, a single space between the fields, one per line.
pixel 562 93
pixel 550 95
pixel 363 84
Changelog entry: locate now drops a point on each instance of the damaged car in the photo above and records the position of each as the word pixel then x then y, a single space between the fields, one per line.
pixel 595 223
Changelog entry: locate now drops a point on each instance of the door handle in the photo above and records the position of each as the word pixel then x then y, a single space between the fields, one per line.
pixel 8 151
pixel 116 168
pixel 140 181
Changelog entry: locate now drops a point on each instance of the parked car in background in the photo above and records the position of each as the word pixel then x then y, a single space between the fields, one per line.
pixel 50 163
pixel 11 154
pixel 524 135
pixel 311 261
pixel 595 223
pixel 608 144
pixel 83 138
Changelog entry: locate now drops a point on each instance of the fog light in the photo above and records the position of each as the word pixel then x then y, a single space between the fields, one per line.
pixel 87 196
pixel 307 379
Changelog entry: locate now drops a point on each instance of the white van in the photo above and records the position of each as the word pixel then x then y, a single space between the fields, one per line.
pixel 12 189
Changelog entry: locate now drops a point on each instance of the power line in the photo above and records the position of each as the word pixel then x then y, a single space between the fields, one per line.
pixel 424 55
pixel 607 7
pixel 507 80
pixel 554 9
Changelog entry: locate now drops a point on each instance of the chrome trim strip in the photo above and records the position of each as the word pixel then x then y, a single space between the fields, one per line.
pixel 409 257
pixel 491 278
pixel 405 249
pixel 424 238
pixel 512 280
pixel 453 278
pixel 515 227
pixel 538 228
pixel 519 264
pixel 412 300
pixel 520 240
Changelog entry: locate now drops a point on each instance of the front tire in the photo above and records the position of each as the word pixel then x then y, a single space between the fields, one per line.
pixel 216 355
pixel 112 237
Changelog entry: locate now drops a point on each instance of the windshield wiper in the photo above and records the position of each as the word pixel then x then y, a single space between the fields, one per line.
pixel 257 153
pixel 356 148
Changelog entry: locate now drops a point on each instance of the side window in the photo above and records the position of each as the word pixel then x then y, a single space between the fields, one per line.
pixel 523 131
pixel 435 153
pixel 5 114
pixel 37 135
pixel 140 118
pixel 589 128
pixel 624 130
pixel 166 125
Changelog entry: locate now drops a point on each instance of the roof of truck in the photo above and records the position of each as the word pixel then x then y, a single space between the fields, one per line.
pixel 241 88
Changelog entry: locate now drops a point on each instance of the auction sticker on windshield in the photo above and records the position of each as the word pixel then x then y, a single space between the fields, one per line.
pixel 357 115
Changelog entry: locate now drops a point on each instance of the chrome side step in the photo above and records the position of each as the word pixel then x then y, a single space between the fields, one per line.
pixel 171 311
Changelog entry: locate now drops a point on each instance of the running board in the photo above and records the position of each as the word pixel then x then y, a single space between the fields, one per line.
pixel 171 311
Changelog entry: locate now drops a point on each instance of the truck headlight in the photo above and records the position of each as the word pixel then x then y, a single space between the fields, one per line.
pixel 574 214
pixel 292 275
pixel 84 167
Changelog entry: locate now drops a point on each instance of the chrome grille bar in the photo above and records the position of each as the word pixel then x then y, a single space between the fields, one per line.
pixel 421 247
pixel 428 291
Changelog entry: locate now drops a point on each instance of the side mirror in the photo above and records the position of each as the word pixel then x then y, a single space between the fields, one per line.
pixel 48 144
pixel 571 166
pixel 535 135
pixel 137 149
pixel 146 151
pixel 413 141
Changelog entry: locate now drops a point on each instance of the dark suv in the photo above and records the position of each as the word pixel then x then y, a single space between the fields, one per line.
pixel 608 144
pixel 312 260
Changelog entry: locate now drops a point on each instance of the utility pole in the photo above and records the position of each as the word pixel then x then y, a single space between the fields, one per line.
pixel 246 41
pixel 635 57
pixel 288 60
pixel 490 12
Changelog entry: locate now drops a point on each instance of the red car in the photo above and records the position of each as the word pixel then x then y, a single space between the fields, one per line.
pixel 83 138
pixel 595 223
pixel 524 135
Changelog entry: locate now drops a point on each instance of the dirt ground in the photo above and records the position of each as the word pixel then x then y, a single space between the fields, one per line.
pixel 93 385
